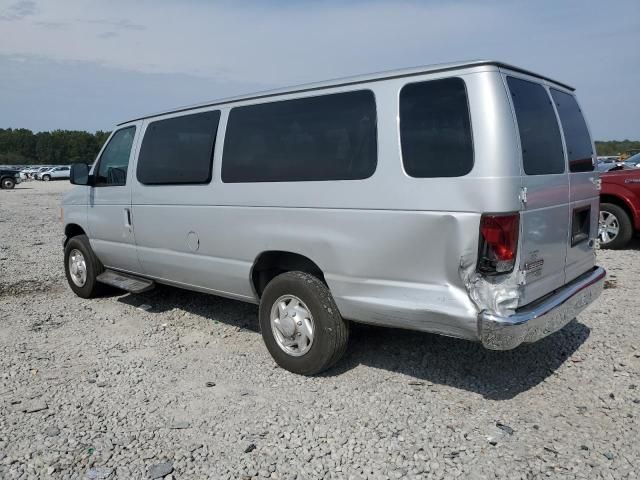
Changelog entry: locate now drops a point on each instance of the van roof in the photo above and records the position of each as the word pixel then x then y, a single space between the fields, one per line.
pixel 372 77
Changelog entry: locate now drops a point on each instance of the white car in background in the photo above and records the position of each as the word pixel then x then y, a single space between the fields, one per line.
pixel 29 172
pixel 39 171
pixel 55 173
pixel 633 161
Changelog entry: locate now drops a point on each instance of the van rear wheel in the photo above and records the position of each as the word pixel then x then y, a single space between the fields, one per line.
pixel 614 226
pixel 301 325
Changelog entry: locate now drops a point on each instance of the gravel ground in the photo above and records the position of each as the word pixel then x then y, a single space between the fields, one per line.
pixel 177 384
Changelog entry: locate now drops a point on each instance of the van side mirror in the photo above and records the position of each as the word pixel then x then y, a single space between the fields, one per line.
pixel 79 174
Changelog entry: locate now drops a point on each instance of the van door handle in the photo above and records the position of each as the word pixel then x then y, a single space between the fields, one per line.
pixel 127 218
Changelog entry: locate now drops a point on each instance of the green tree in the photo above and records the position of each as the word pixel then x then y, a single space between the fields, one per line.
pixel 60 147
pixel 616 147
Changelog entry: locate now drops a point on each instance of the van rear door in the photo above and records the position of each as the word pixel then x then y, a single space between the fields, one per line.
pixel 545 192
pixel 583 191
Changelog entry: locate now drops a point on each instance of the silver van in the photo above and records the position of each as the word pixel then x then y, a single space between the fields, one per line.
pixel 459 199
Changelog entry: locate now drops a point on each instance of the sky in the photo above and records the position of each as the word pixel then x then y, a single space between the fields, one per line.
pixel 89 64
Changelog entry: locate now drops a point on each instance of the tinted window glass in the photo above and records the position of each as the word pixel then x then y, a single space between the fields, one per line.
pixel 330 137
pixel 178 150
pixel 114 161
pixel 540 139
pixel 435 129
pixel 576 134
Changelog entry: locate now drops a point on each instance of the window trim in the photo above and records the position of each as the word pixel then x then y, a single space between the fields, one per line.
pixel 473 151
pixel 365 88
pixel 211 154
pixel 96 168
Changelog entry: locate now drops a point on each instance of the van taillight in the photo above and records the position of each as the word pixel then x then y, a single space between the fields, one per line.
pixel 498 243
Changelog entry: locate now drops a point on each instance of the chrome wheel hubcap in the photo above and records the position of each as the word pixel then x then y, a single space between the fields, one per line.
pixel 292 325
pixel 77 268
pixel 608 227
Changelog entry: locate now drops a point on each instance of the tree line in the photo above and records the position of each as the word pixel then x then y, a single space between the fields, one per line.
pixel 616 147
pixel 21 146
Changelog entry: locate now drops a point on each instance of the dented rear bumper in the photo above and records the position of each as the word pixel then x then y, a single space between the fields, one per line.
pixel 543 317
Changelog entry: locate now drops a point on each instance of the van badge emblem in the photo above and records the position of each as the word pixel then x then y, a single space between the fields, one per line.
pixel 534 265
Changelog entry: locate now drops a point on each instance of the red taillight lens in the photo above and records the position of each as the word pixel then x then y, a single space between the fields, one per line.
pixel 498 243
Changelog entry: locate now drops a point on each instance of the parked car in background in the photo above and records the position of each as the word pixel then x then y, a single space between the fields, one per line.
pixel 619 207
pixel 37 174
pixel 605 166
pixel 629 153
pixel 28 172
pixel 633 161
pixel 55 173
pixel 9 178
pixel 608 158
pixel 611 167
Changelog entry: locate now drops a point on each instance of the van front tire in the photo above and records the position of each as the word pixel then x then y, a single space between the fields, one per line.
pixel 82 267
pixel 613 215
pixel 293 306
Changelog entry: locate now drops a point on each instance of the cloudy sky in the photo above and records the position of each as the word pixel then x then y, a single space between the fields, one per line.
pixel 87 64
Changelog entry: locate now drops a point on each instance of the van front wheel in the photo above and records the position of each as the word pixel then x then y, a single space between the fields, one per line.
pixel 301 325
pixel 82 267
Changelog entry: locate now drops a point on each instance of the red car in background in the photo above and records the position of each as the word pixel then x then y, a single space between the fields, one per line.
pixel 619 207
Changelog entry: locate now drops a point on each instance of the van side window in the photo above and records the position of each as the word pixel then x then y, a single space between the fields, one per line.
pixel 435 129
pixel 328 137
pixel 576 133
pixel 178 150
pixel 114 161
pixel 540 140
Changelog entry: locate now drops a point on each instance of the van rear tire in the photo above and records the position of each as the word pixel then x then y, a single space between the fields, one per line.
pixel 614 213
pixel 293 305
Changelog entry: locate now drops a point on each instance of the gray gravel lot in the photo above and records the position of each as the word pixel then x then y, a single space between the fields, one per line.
pixel 179 384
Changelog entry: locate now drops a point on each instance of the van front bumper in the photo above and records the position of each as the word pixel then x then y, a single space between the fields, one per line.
pixel 542 317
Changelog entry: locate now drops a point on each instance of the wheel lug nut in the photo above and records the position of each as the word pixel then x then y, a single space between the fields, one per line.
pixel 299 323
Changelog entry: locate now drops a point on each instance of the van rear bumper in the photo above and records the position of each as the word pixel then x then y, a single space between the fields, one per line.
pixel 542 317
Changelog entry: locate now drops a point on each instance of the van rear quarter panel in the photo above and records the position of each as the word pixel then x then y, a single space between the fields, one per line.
pixel 390 246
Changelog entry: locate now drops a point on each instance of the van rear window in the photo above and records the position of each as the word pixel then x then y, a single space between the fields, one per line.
pixel 178 150
pixel 328 137
pixel 540 140
pixel 576 133
pixel 435 129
